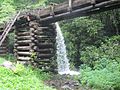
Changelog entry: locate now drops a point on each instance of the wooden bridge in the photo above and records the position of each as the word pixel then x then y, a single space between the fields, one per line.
pixel 35 30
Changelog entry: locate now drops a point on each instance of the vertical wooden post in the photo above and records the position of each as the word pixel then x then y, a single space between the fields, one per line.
pixel 21 47
pixel 32 25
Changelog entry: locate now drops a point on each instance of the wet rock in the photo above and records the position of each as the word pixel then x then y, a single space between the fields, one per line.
pixel 63 83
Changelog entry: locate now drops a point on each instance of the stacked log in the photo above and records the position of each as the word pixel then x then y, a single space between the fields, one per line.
pixel 44 39
pixel 36 44
pixel 22 44
pixel 3 47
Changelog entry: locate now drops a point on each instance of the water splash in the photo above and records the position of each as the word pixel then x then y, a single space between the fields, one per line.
pixel 62 60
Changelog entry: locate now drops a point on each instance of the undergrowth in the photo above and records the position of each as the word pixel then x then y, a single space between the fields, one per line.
pixel 23 78
pixel 101 69
pixel 107 78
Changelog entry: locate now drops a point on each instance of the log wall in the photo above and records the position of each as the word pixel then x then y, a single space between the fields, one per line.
pixel 45 39
pixel 22 44
pixel 35 43
pixel 3 47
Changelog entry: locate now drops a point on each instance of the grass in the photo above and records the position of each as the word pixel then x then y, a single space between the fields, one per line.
pixel 1 60
pixel 9 57
pixel 23 78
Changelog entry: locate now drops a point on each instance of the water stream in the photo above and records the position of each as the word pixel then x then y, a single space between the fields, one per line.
pixel 62 60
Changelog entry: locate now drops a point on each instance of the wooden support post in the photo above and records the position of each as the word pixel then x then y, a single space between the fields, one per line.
pixel 70 5
pixel 21 47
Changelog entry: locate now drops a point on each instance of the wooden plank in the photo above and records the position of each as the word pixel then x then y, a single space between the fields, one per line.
pixel 23 38
pixel 23 33
pixel 24 53
pixel 46 56
pixel 24 41
pixel 23 58
pixel 23 48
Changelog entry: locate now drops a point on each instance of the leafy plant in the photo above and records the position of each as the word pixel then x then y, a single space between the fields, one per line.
pixel 23 79
pixel 80 33
pixel 109 50
pixel 102 79
pixel 101 69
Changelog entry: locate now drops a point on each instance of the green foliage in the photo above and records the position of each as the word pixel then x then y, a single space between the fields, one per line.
pixel 34 56
pixel 1 60
pixel 28 4
pixel 9 7
pixel 53 1
pixel 79 33
pixel 9 57
pixel 111 20
pixel 23 79
pixel 109 50
pixel 107 78
pixel 6 10
pixel 11 38
pixel 19 69
pixel 101 67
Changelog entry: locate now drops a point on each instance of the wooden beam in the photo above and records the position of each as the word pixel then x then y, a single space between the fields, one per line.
pixel 81 12
pixel 23 58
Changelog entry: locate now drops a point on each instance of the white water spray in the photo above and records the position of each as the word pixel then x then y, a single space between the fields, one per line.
pixel 62 60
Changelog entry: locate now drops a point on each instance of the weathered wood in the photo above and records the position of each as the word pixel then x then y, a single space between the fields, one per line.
pixel 24 41
pixel 23 38
pixel 44 30
pixel 43 60
pixel 45 56
pixel 39 37
pixel 3 51
pixel 61 8
pixel 2 54
pixel 61 12
pixel 45 36
pixel 24 53
pixel 43 51
pixel 27 44
pixel 23 47
pixel 23 33
pixel 24 58
pixel 2 47
pixel 43 45
pixel 44 33
pixel 79 12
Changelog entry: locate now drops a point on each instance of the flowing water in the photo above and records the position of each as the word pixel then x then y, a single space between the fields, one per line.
pixel 62 60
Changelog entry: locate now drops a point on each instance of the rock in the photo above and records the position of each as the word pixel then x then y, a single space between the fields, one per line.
pixel 8 65
pixel 66 87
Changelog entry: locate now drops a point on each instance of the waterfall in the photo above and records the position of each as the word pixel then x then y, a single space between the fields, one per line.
pixel 62 60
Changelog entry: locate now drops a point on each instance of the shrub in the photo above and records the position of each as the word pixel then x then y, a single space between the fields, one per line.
pixel 23 79
pixel 101 69
pixel 109 50
pixel 103 79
